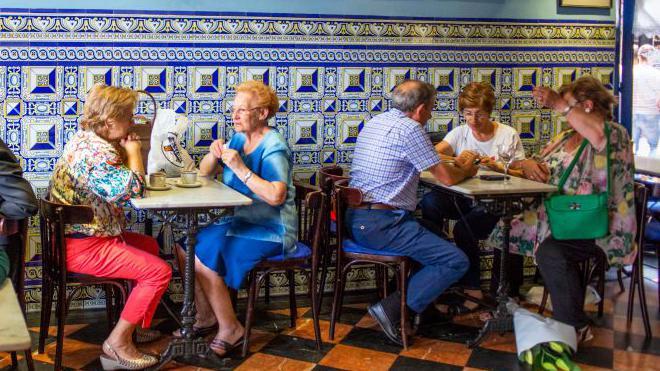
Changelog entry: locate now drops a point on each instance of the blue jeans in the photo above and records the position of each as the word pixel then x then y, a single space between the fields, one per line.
pixel 398 231
pixel 647 126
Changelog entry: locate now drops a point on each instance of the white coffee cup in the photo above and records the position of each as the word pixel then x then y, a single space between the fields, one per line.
pixel 188 177
pixel 157 179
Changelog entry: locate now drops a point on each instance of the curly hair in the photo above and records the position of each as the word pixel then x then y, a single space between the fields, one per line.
pixel 477 95
pixel 107 102
pixel 589 88
pixel 263 93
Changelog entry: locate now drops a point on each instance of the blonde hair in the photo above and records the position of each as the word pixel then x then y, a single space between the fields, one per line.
pixel 589 88
pixel 477 95
pixel 264 95
pixel 107 102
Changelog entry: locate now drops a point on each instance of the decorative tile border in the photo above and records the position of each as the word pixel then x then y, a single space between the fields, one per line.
pixel 299 29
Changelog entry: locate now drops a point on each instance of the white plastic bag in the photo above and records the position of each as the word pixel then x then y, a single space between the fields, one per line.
pixel 166 153
pixel 535 295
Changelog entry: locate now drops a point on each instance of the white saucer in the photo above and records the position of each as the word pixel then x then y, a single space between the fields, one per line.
pixel 166 187
pixel 178 183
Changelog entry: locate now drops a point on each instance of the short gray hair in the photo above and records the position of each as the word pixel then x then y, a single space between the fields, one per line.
pixel 411 93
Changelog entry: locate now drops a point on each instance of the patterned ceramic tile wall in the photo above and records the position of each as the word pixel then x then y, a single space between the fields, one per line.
pixel 331 75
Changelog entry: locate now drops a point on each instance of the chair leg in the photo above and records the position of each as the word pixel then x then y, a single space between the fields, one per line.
pixel 46 308
pixel 379 281
pixel 267 289
pixel 602 266
pixel 61 320
pixel 544 301
pixel 292 297
pixel 233 296
pixel 631 294
pixel 324 276
pixel 315 306
pixel 642 296
pixel 14 360
pixel 109 305
pixel 403 275
pixel 337 301
pixel 28 360
pixel 249 313
pixel 619 277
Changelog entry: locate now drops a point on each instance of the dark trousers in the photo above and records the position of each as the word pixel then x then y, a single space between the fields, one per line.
pixel 559 262
pixel 398 231
pixel 474 223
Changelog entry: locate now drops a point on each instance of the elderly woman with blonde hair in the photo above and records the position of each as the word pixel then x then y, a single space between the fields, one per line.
pixel 257 163
pixel 101 167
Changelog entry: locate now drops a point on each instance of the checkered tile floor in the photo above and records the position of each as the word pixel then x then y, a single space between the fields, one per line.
pixel 360 345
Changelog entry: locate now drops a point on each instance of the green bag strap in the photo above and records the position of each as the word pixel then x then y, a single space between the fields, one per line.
pixel 567 172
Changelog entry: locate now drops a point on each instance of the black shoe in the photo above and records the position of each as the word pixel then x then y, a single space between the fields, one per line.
pixel 391 331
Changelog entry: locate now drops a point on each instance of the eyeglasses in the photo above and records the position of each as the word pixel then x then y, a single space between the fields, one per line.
pixel 241 111
pixel 477 115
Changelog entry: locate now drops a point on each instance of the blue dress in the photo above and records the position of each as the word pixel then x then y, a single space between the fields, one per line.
pixel 236 244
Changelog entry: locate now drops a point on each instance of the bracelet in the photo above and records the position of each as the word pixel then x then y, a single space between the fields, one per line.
pixel 247 177
pixel 567 110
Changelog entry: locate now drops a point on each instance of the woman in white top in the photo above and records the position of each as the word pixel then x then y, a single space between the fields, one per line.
pixel 480 139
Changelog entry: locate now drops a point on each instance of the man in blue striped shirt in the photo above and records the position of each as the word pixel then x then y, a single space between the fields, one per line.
pixel 391 151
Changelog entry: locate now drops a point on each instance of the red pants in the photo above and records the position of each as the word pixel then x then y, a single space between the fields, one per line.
pixel 131 256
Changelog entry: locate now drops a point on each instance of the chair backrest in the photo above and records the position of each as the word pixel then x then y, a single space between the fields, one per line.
pixel 312 215
pixel 54 217
pixel 344 197
pixel 328 175
pixel 641 199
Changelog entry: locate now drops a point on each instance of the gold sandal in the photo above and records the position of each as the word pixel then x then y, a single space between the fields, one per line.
pixel 115 362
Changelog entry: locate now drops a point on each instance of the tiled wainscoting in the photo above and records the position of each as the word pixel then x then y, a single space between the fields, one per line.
pixel 332 74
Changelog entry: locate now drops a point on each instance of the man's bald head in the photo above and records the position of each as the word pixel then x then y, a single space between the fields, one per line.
pixel 409 94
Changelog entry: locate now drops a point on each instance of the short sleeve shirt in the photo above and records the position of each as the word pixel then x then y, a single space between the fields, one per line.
pixel 390 153
pixel 461 139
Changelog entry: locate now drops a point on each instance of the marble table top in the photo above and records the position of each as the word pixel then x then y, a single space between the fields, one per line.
pixel 13 330
pixel 479 187
pixel 211 194
pixel 647 165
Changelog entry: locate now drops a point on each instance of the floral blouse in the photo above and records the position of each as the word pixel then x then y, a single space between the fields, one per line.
pixel 91 172
pixel 589 176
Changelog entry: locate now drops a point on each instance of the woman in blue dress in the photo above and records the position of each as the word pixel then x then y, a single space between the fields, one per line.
pixel 255 162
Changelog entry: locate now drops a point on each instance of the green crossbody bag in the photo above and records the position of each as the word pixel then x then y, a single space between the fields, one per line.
pixel 579 217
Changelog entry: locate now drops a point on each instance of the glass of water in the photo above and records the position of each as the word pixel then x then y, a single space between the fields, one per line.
pixel 506 155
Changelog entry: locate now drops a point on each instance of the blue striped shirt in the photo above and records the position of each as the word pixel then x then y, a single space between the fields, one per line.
pixel 390 153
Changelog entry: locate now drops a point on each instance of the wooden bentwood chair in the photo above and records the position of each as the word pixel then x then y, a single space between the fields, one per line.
pixel 637 275
pixel 350 253
pixel 312 234
pixel 54 218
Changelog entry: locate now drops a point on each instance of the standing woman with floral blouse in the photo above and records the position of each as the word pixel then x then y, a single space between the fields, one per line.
pixel 102 167
pixel 587 106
